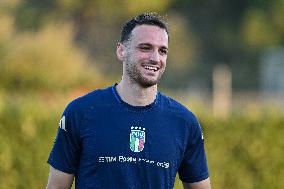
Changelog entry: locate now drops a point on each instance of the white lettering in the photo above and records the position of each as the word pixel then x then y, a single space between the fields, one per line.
pixel 110 159
pixel 129 159
pixel 121 159
pixel 101 159
pixel 164 164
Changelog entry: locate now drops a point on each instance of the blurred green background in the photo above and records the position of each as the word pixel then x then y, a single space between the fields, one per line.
pixel 225 63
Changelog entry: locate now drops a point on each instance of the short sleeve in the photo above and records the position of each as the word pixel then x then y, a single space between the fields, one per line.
pixel 65 153
pixel 194 167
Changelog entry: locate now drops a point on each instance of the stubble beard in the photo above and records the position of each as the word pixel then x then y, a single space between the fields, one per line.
pixel 136 76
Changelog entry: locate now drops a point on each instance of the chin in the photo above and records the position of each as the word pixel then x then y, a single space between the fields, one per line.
pixel 147 84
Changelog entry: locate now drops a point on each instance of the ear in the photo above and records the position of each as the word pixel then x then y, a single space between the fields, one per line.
pixel 120 51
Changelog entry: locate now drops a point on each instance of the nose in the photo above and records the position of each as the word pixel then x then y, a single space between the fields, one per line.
pixel 154 56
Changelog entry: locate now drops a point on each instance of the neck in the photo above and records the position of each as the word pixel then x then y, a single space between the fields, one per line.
pixel 136 95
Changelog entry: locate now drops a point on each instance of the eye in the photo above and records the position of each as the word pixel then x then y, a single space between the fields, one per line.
pixel 164 51
pixel 144 48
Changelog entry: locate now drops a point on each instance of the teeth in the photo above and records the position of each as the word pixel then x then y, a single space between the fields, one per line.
pixel 151 68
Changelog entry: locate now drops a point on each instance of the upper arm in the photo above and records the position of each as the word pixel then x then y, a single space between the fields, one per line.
pixel 66 150
pixel 193 167
pixel 204 184
pixel 59 180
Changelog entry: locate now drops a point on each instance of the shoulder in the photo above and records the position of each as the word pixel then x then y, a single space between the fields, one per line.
pixel 175 108
pixel 94 98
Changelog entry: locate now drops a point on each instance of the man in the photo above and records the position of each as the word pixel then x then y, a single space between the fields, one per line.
pixel 130 135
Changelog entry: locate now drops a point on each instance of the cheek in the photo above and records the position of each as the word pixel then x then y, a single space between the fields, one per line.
pixel 164 61
pixel 142 56
pixel 136 56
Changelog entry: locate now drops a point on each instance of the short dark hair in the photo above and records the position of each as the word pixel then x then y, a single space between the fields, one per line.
pixel 145 18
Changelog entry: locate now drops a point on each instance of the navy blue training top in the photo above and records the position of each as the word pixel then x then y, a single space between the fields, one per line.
pixel 107 143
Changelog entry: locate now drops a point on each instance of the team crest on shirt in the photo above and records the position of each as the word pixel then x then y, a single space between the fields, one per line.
pixel 137 139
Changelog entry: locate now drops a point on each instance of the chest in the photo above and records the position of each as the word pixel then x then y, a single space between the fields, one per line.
pixel 115 138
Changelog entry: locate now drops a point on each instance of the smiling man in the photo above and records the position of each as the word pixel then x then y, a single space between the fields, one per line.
pixel 130 135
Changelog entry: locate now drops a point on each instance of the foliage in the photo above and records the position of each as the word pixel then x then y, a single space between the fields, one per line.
pixel 204 33
pixel 44 61
pixel 26 134
pixel 246 151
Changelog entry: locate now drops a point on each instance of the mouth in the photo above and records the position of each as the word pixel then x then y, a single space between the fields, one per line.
pixel 151 68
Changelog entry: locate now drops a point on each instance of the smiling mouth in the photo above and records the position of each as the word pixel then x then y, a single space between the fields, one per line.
pixel 151 68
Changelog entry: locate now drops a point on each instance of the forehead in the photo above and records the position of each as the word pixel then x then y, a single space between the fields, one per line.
pixel 149 34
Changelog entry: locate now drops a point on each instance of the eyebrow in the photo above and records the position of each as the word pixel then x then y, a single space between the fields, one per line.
pixel 149 44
